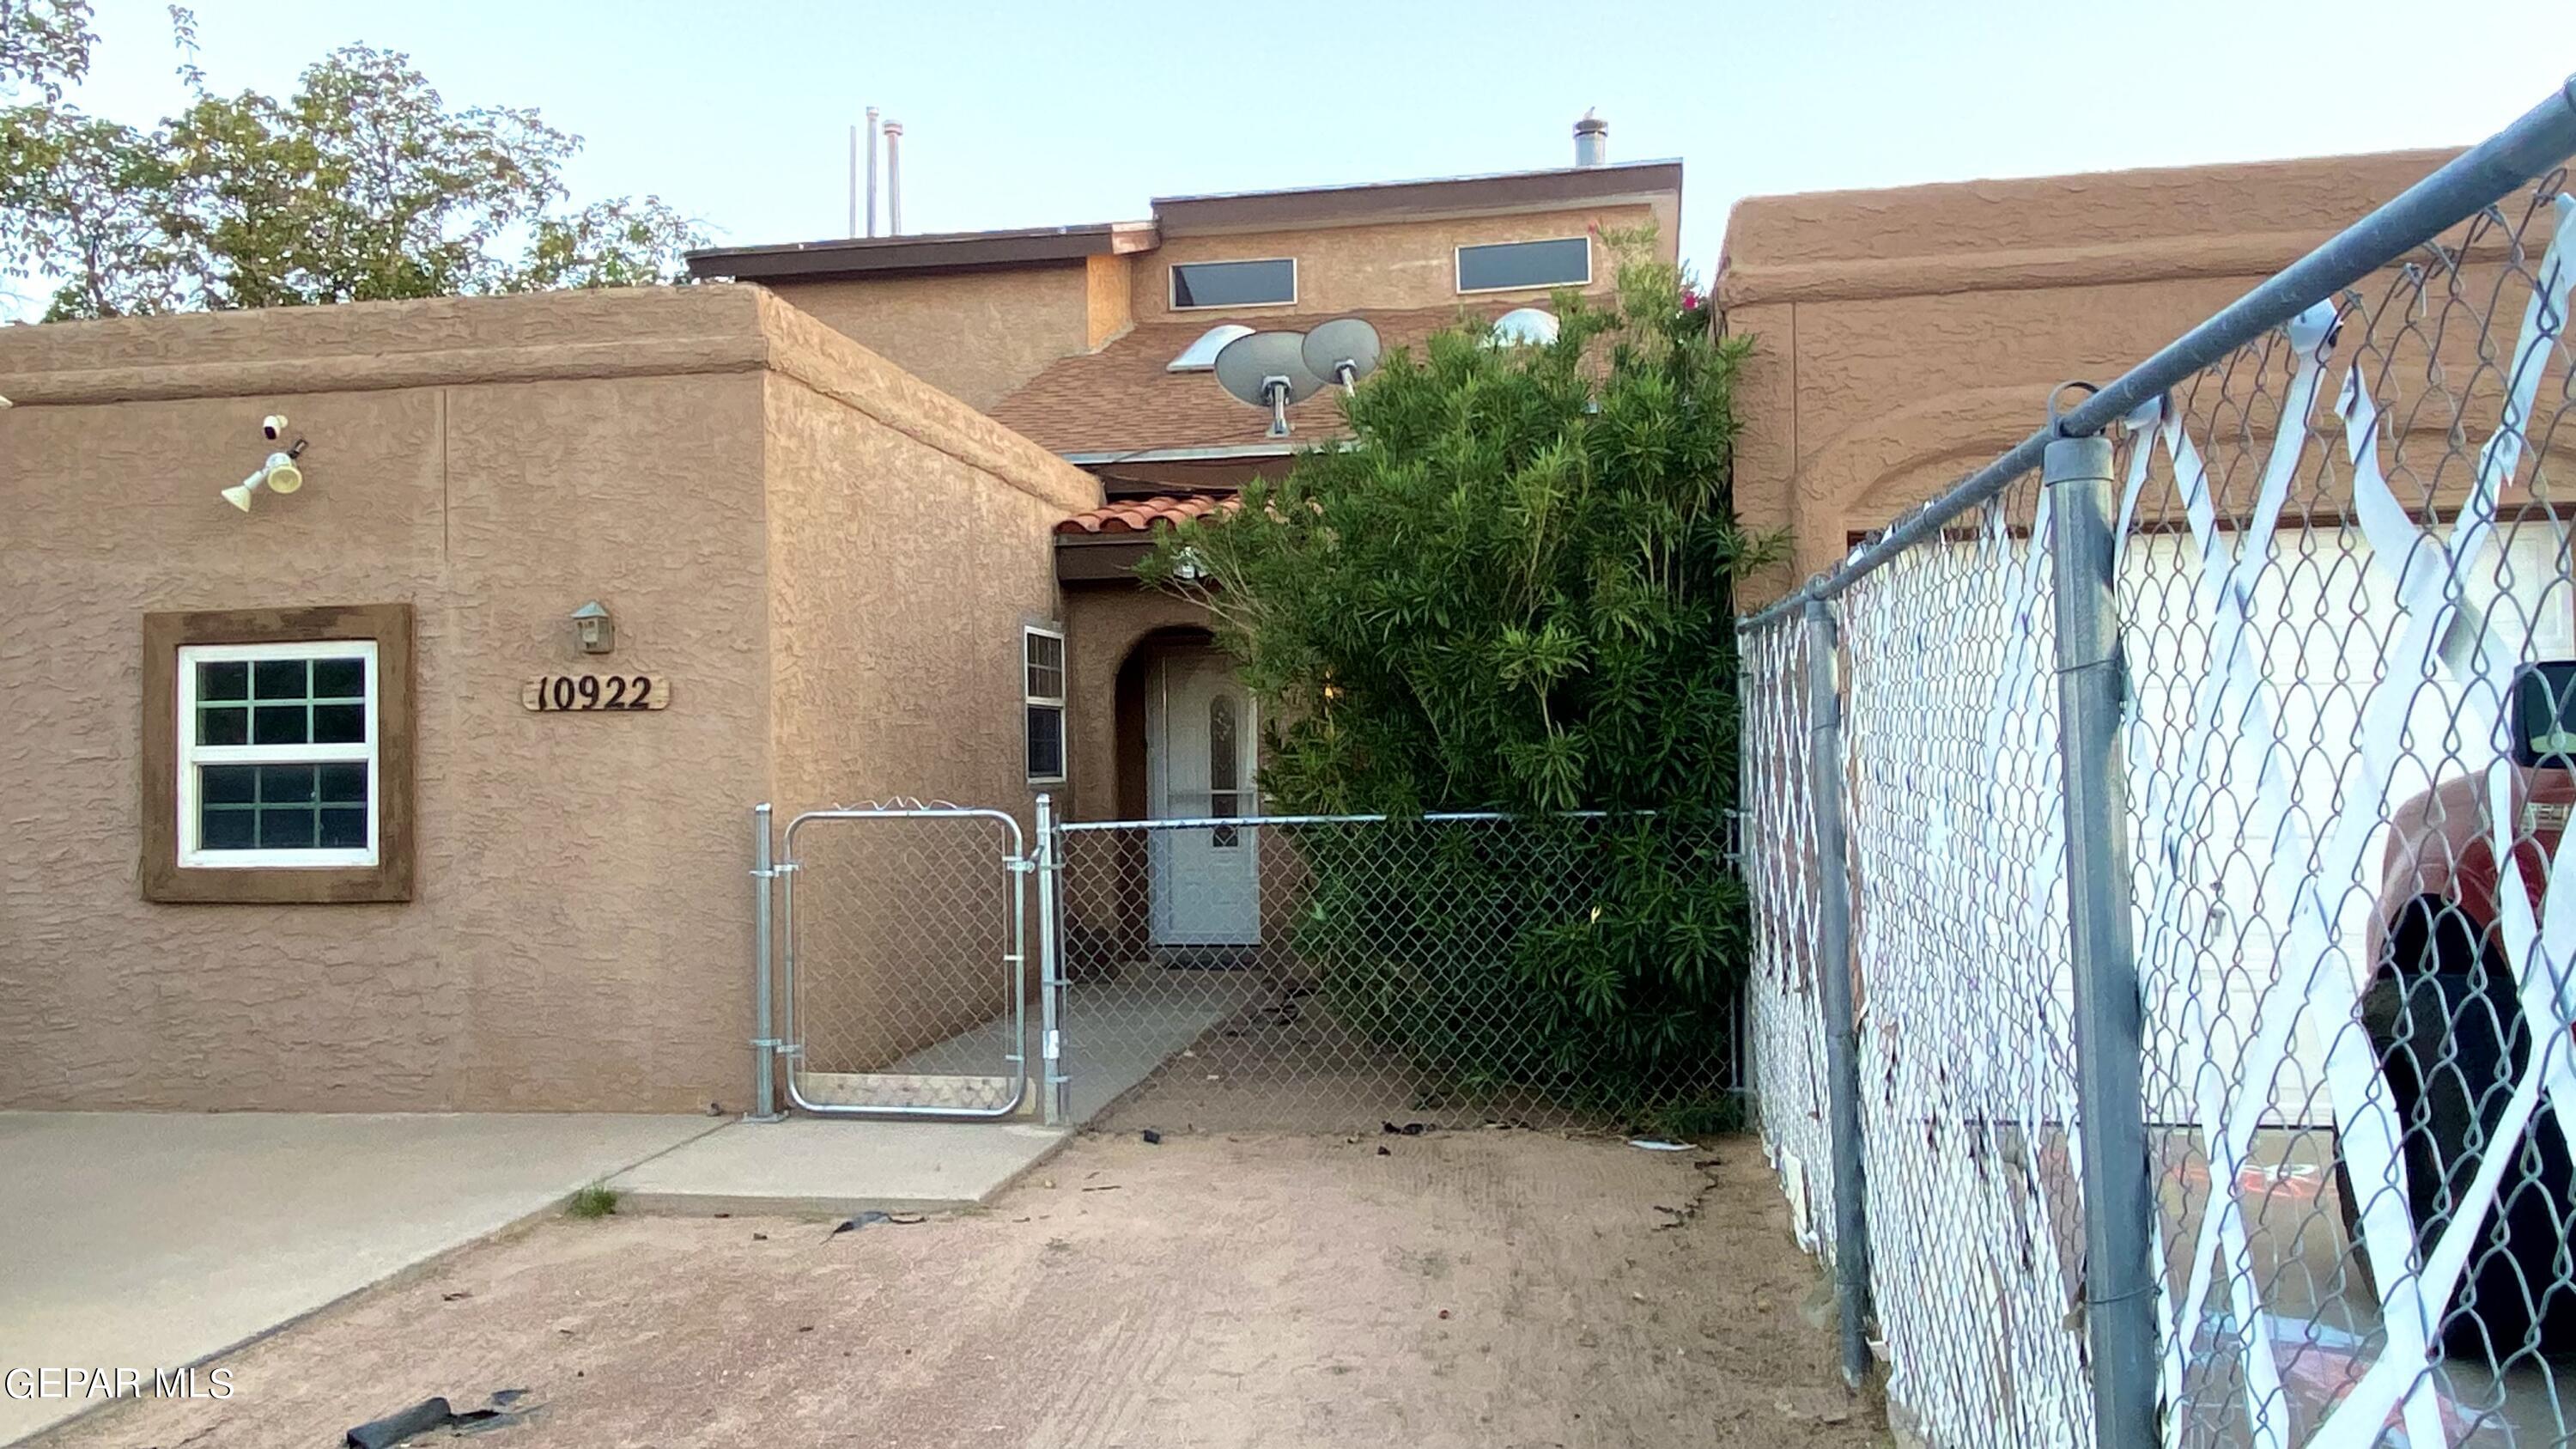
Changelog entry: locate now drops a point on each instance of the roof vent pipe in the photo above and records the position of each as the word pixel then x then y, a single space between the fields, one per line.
pixel 894 178
pixel 1591 141
pixel 872 173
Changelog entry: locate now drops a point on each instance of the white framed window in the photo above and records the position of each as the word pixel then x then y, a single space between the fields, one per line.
pixel 1042 698
pixel 278 755
pixel 1524 265
pixel 1267 282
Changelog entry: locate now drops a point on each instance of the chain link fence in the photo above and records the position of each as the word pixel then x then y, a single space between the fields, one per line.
pixel 1782 1011
pixel 1343 973
pixel 1291 973
pixel 2203 769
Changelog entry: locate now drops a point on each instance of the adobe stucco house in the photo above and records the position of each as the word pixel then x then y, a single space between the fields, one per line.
pixel 1903 338
pixel 1095 342
pixel 526 909
pixel 866 519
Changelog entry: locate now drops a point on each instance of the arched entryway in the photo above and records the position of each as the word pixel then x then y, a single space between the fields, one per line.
pixel 1188 737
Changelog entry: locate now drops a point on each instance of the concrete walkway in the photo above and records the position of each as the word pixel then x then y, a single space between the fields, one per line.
pixel 819 1167
pixel 148 1241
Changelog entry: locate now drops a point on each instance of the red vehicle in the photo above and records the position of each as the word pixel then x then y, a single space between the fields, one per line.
pixel 2445 1021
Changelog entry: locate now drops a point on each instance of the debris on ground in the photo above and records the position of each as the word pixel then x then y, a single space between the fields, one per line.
pixel 1386 1152
pixel 1654 1144
pixel 872 1215
pixel 454 1296
pixel 1409 1129
pixel 435 1413
pixel 1151 1136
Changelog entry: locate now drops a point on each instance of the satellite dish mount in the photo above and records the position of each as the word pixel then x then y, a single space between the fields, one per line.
pixel 1268 370
pixel 1275 390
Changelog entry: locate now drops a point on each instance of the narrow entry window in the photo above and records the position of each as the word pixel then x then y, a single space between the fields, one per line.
pixel 1043 694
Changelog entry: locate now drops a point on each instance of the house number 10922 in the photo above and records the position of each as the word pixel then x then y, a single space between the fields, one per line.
pixel 594 693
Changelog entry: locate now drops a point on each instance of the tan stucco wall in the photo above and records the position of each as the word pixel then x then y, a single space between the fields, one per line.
pixel 909 543
pixel 975 335
pixel 1903 338
pixel 736 482
pixel 1396 265
pixel 1109 284
pixel 563 948
pixel 1105 624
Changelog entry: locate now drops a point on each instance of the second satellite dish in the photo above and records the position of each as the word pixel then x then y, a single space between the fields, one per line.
pixel 1268 370
pixel 1343 350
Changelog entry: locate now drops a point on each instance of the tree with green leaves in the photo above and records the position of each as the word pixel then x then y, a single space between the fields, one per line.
pixel 363 184
pixel 1513 590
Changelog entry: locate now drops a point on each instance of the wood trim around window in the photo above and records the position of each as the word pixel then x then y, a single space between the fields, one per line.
pixel 390 878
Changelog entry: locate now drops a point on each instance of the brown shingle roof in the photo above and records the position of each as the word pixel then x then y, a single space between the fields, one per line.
pixel 1144 515
pixel 1122 399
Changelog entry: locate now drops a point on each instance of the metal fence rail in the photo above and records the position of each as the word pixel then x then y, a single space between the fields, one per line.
pixel 2206 765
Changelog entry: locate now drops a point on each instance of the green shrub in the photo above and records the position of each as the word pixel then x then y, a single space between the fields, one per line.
pixel 1513 591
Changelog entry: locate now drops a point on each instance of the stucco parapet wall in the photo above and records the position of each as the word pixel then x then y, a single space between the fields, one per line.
pixel 824 359
pixel 459 341
pixel 376 346
pixel 2104 228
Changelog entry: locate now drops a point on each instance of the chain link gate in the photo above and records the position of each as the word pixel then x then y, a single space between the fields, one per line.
pixel 903 956
pixel 1362 970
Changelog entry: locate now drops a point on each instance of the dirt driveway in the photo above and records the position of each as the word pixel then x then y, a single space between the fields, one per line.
pixel 1484 1288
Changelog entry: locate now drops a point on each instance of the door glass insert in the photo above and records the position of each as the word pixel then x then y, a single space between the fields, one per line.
pixel 1225 785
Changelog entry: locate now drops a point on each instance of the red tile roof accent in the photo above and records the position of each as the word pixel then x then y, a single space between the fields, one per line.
pixel 1123 398
pixel 1144 515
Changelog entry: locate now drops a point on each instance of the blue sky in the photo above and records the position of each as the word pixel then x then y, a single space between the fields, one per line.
pixel 1033 113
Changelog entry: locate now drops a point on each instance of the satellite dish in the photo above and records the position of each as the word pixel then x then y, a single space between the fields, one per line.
pixel 1343 350
pixel 1525 327
pixel 1268 370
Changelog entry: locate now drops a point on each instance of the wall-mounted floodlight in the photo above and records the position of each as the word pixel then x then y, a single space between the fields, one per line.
pixel 278 475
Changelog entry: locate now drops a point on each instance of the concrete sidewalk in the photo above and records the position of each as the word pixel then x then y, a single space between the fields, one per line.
pixel 813 1167
pixel 148 1240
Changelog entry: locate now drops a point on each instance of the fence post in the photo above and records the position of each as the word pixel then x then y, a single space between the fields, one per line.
pixel 1834 988
pixel 1050 971
pixel 764 1045
pixel 2119 1203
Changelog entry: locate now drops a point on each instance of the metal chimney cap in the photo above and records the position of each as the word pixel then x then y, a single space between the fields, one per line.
pixel 1591 141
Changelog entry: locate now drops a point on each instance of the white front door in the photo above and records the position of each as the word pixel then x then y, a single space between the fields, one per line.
pixel 1200 739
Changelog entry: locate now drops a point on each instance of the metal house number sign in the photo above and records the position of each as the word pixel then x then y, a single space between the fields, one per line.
pixel 595 693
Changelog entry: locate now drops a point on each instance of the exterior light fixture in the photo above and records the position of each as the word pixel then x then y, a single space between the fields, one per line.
pixel 278 475
pixel 593 629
